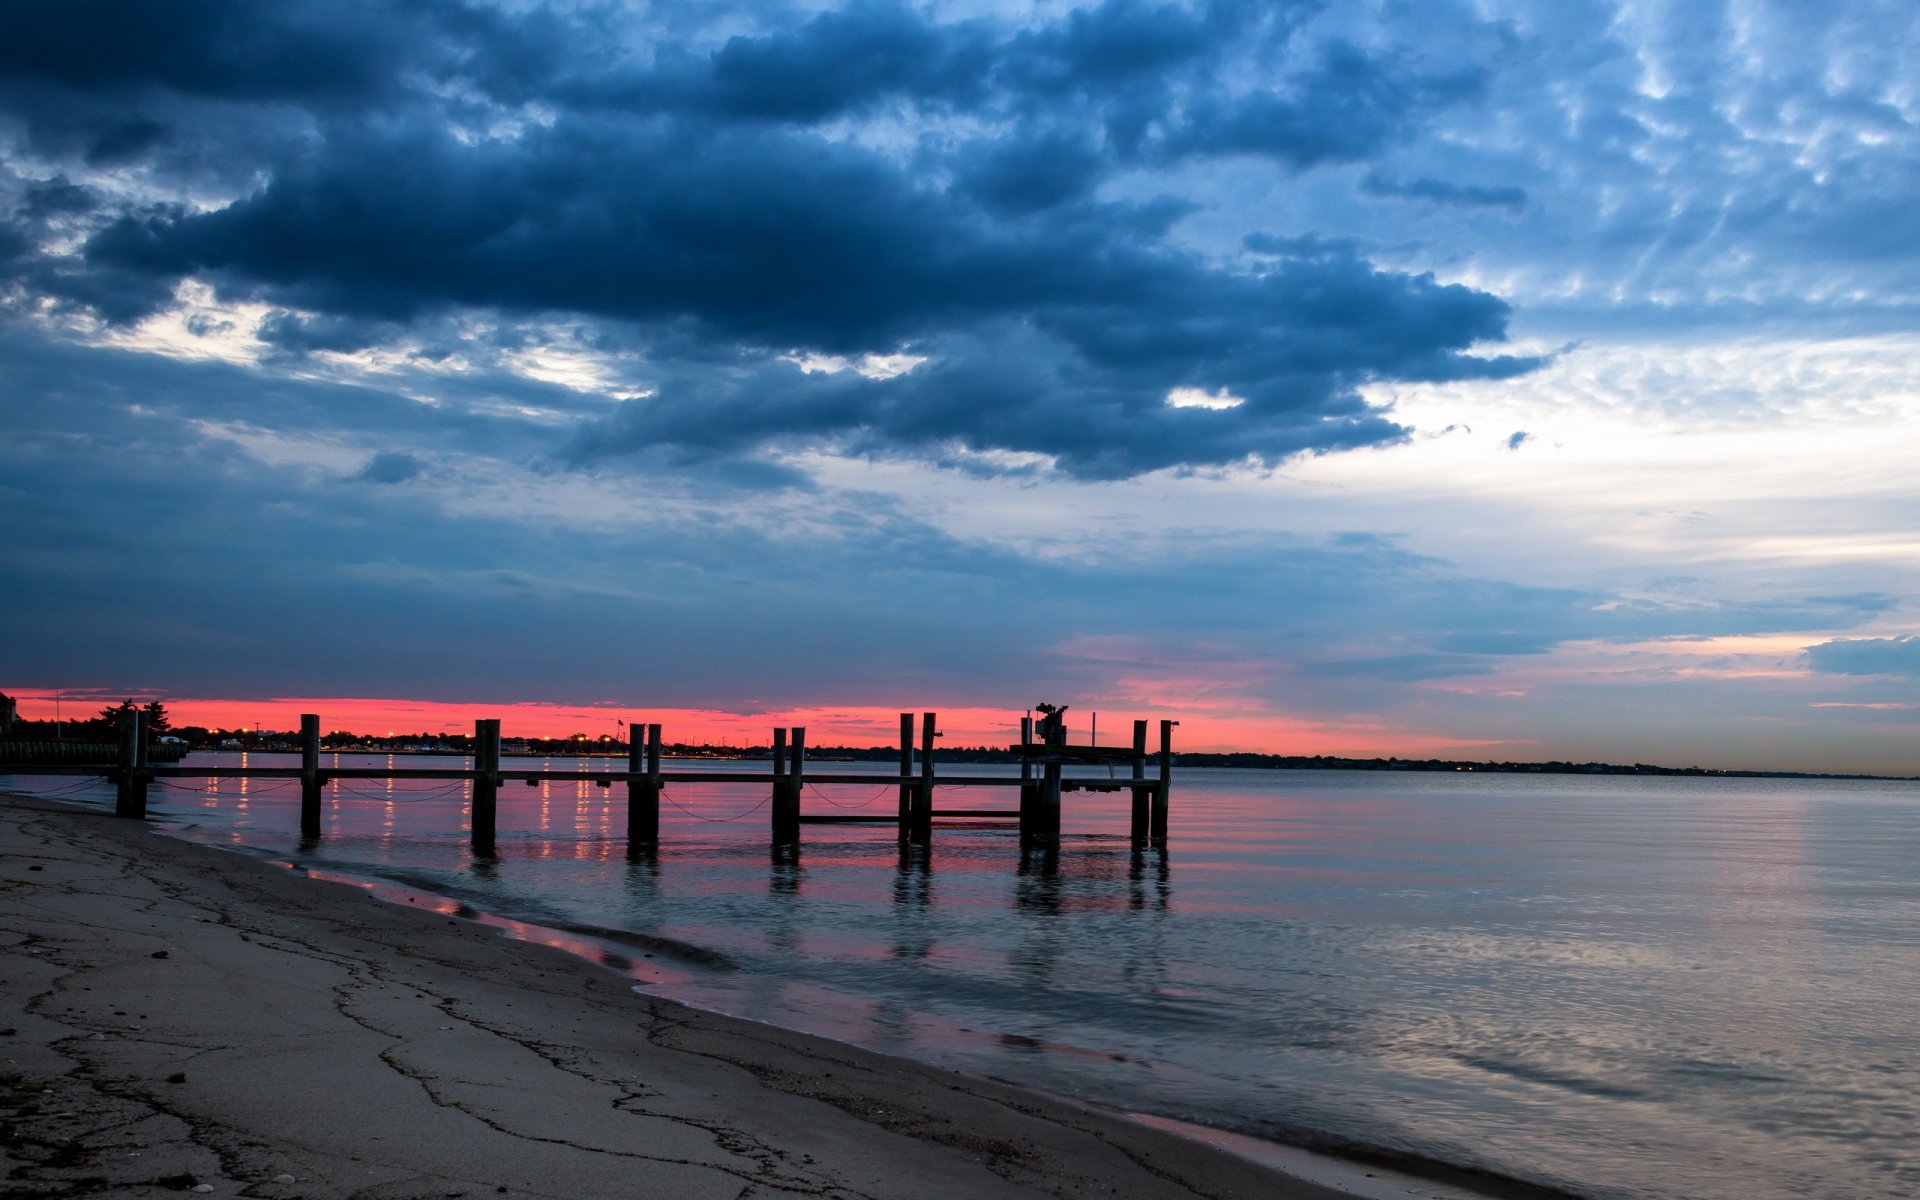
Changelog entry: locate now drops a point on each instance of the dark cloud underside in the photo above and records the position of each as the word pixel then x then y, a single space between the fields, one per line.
pixel 700 197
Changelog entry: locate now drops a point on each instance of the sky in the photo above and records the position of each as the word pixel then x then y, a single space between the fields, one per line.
pixel 1498 380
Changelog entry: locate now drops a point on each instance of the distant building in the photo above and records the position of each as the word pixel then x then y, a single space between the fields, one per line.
pixel 8 712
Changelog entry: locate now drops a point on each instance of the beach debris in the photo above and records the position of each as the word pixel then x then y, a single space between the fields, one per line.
pixel 202 1187
pixel 177 1077
pixel 284 1178
pixel 36 867
pixel 96 1037
pixel 159 953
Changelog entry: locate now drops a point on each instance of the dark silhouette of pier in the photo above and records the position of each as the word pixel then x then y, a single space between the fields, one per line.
pixel 1043 752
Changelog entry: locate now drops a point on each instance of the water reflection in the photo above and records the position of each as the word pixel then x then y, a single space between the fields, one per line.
pixel 642 879
pixel 913 934
pixel 787 872
pixel 1150 878
pixel 1037 886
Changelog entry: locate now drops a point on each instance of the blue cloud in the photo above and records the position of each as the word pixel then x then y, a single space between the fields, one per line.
pixel 1867 656
pixel 1440 191
pixel 391 467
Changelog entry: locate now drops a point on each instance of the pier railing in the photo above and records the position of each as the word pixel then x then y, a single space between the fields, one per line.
pixel 1043 753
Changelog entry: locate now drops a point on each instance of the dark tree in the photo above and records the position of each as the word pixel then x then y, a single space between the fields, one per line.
pixel 109 718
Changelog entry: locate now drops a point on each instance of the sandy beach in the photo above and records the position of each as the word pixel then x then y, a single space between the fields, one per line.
pixel 181 1019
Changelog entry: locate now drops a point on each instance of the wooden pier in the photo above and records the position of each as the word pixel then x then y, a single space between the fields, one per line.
pixel 1043 753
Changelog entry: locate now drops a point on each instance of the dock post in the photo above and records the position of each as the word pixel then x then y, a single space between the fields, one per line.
pixel 1142 795
pixel 130 790
pixel 1029 792
pixel 923 800
pixel 776 806
pixel 486 782
pixel 309 775
pixel 1047 806
pixel 906 769
pixel 1165 786
pixel 786 802
pixel 643 800
pixel 653 772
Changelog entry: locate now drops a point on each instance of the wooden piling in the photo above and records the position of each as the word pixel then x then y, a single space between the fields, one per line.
pixel 906 769
pixel 130 790
pixel 653 769
pixel 1142 795
pixel 1029 790
pixel 310 775
pixel 643 798
pixel 777 802
pixel 486 783
pixel 786 795
pixel 1046 816
pixel 923 798
pixel 1164 789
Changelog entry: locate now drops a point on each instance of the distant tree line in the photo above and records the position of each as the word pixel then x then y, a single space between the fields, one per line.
pixel 105 727
pixel 102 728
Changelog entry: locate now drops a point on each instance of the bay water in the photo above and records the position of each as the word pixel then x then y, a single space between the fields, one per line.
pixel 1598 985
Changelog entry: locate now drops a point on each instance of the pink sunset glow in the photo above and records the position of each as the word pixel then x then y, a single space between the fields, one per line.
pixel 845 725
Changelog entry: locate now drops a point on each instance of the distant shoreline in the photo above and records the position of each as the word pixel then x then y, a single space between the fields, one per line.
pixel 987 755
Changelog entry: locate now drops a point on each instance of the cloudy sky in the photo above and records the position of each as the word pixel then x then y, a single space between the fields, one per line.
pixel 1505 379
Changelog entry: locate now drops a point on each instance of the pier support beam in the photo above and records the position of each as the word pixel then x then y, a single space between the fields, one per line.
pixel 310 782
pixel 654 786
pixel 786 793
pixel 1163 792
pixel 1142 794
pixel 1046 814
pixel 1040 798
pixel 906 769
pixel 130 791
pixel 1029 790
pixel 923 795
pixel 643 795
pixel 486 784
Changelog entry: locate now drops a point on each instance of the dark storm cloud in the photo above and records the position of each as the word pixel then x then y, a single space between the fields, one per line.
pixel 697 197
pixel 391 467
pixel 1440 191
pixel 1867 656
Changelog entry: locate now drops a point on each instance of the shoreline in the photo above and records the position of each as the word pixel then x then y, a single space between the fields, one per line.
pixel 237 1024
pixel 1364 1174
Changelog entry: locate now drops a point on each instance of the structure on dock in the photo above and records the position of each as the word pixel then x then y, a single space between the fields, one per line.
pixel 1043 753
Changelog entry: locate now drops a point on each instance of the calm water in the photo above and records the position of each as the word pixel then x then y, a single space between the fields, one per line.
pixel 1619 987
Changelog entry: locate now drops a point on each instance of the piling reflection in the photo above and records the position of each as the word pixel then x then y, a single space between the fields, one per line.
pixel 642 880
pixel 913 936
pixel 787 873
pixel 1149 878
pixel 1035 955
pixel 1037 881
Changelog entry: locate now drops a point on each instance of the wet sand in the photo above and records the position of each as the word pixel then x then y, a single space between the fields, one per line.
pixel 182 1019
